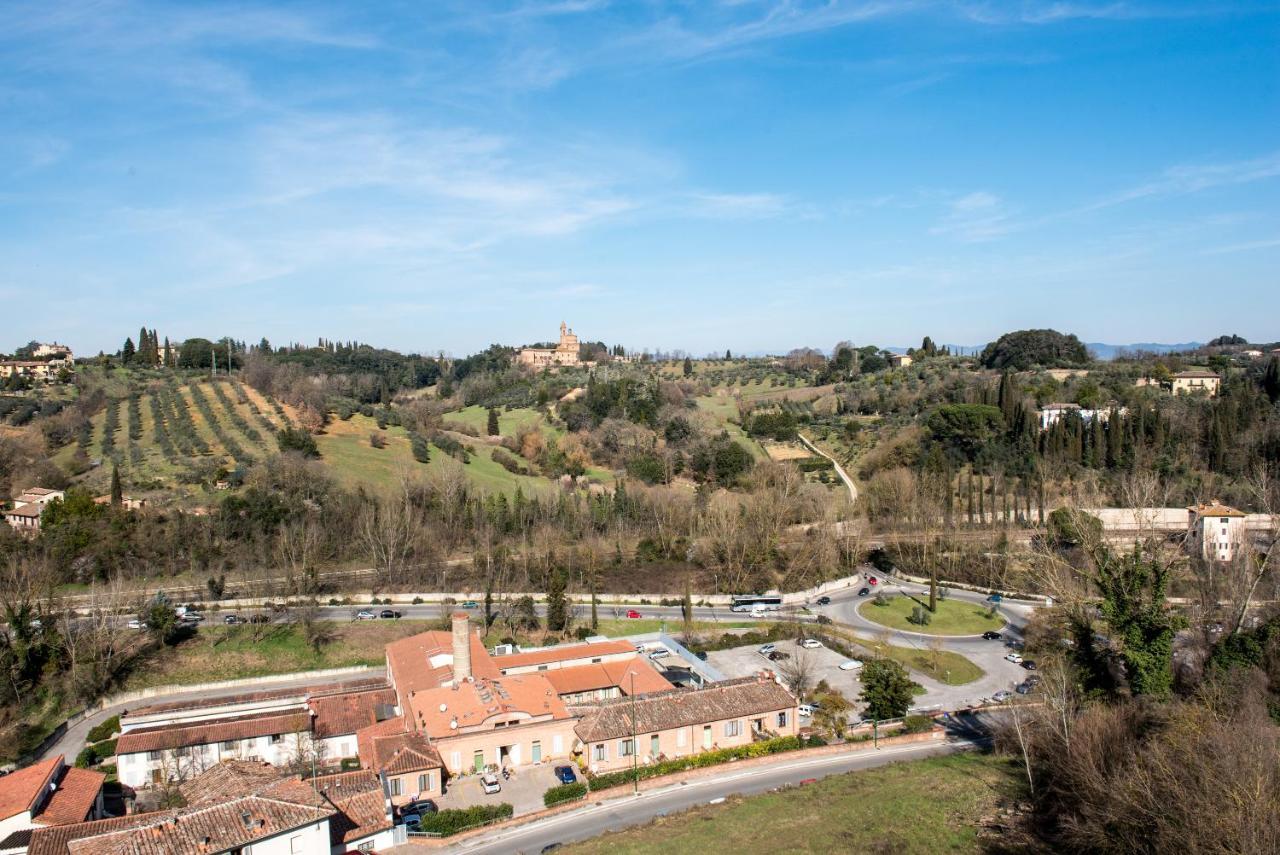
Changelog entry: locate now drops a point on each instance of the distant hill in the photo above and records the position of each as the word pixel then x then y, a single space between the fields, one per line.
pixel 1111 351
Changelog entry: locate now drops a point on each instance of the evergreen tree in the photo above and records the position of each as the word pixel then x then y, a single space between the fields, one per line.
pixel 1271 380
pixel 127 352
pixel 117 493
pixel 557 602
pixel 493 427
pixel 728 355
pixel 887 689
pixel 688 367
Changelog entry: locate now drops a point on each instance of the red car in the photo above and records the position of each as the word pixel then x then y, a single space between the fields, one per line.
pixel 872 580
pixel 632 613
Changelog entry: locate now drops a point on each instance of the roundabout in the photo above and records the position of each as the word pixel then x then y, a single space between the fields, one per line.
pixel 952 618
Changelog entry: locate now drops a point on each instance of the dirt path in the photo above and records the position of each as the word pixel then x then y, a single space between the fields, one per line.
pixel 844 476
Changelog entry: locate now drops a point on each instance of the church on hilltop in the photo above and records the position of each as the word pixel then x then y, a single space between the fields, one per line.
pixel 563 354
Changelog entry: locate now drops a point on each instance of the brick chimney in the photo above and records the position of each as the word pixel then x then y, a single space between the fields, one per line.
pixel 461 647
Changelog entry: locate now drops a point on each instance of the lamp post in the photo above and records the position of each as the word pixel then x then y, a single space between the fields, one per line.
pixel 635 736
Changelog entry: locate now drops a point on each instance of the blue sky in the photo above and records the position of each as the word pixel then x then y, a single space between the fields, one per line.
pixel 740 174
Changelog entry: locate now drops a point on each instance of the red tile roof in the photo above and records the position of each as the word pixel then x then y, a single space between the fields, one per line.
pixel 361 803
pixel 19 790
pixel 209 732
pixel 409 661
pixel 444 711
pixel 563 653
pixel 75 796
pixel 346 713
pixel 585 678
pixel 680 708
pixel 388 747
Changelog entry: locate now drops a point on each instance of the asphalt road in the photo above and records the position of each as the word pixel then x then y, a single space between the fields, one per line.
pixel 599 818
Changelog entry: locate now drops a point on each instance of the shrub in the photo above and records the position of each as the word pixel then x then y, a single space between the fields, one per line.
pixel 377 440
pixel 584 632
pixel 509 462
pixel 815 741
pixel 564 793
pixel 350 764
pixel 920 616
pixel 108 728
pixel 421 450
pixel 86 758
pixel 917 724
pixel 454 820
pixel 697 761
pixel 417 601
pixel 297 439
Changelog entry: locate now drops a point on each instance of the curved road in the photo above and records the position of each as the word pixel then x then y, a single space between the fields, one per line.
pixel 844 476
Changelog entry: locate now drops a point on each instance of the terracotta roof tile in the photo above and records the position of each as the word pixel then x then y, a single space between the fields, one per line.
pixel 586 678
pixel 444 711
pixel 19 790
pixel 75 796
pixel 409 661
pixel 362 805
pixel 388 747
pixel 680 708
pixel 209 732
pixel 346 713
pixel 563 653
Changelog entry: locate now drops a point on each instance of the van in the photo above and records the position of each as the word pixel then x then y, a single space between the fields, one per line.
pixel 757 611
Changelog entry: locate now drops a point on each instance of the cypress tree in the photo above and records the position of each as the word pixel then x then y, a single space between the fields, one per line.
pixel 117 492
pixel 1271 380
pixel 493 428
pixel 127 352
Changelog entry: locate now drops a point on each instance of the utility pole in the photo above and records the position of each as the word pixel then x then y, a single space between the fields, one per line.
pixel 635 737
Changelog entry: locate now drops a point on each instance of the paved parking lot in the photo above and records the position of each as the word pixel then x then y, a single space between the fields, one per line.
pixel 823 664
pixel 523 790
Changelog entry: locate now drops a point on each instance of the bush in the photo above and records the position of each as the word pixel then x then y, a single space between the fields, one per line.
pixel 509 462
pixel 454 820
pixel 584 632
pixel 815 741
pixel 917 724
pixel 920 616
pixel 421 450
pixel 697 761
pixel 377 440
pixel 108 728
pixel 297 439
pixel 86 758
pixel 564 793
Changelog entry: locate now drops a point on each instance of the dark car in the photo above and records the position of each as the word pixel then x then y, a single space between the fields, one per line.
pixel 823 601
pixel 864 592
pixel 778 656
pixel 1029 664
pixel 1032 680
pixel 1023 688
pixel 566 775
pixel 389 614
pixel 259 618
pixel 701 654
pixel 232 620
pixel 992 636
pixel 421 806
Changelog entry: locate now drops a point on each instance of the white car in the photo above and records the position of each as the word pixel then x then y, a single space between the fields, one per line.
pixel 766 649
pixel 489 783
pixel 805 710
pixel 851 665
pixel 137 624
pixel 1001 696
pixel 811 643
pixel 1015 658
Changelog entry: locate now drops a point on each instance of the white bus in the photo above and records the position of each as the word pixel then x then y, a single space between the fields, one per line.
pixel 753 603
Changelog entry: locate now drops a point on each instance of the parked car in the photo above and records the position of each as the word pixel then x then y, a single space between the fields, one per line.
pixel 421 806
pixel 1002 696
pixel 232 620
pixel 778 656
pixel 766 649
pixel 864 592
pixel 1023 688
pixel 366 614
pixel 389 614
pixel 851 665
pixel 810 643
pixel 1032 680
pixel 872 580
pixel 632 613
pixel 411 821
pixel 137 624
pixel 259 618
pixel 995 598
pixel 823 601
pixel 489 783
pixel 805 710
pixel 566 775
pixel 660 654
pixel 471 604
pixel 992 636
pixel 1029 664
pixel 1015 658
pixel 191 617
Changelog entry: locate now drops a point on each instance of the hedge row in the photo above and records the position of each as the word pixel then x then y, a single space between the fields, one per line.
pixel 564 793
pixel 697 761
pixel 107 729
pixel 454 820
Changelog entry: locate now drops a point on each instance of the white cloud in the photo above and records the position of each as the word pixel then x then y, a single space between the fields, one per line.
pixel 976 217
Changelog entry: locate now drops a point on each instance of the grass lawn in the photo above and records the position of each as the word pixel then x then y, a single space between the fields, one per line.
pixel 945 666
pixel 228 653
pixel 923 806
pixel 953 617
pixel 509 421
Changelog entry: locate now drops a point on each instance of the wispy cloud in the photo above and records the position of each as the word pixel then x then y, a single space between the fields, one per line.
pixel 735 206
pixel 976 217
pixel 1246 246
pixel 1185 179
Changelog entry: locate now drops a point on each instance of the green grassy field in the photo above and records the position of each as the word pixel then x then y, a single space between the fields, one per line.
pixel 923 806
pixel 509 421
pixel 953 617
